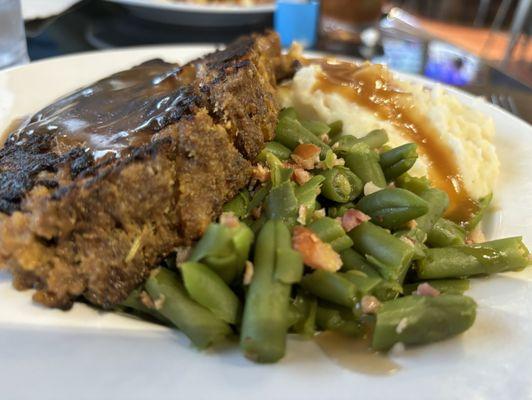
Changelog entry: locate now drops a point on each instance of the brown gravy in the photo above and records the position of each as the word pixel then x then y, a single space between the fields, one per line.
pixel 355 354
pixel 371 86
pixel 114 113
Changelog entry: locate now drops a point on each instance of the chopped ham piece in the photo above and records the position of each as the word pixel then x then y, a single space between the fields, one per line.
pixel 302 215
pixel 325 138
pixel 411 224
pixel 306 155
pixel 370 304
pixel 261 173
pixel 301 176
pixel 476 236
pixel 425 289
pixel 316 254
pixel 353 218
pixel 248 272
pixel 228 219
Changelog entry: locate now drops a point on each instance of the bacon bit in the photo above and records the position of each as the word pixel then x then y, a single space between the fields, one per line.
pixel 408 241
pixel 145 299
pixel 256 212
pixel 325 138
pixel 316 254
pixel 319 213
pixel 391 185
pixel 248 273
pixel 228 219
pixel 302 215
pixel 411 224
pixel 370 188
pixel 338 162
pixel 301 176
pixel 353 218
pixel 306 155
pixel 370 304
pixel 261 173
pixel 425 289
pixel 476 236
pixel 335 146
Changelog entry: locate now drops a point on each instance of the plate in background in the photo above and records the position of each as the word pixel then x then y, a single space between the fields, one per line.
pixel 189 14
pixel 89 354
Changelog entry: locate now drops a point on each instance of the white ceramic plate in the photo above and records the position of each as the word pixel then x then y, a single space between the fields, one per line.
pixel 36 9
pixel 190 14
pixel 89 354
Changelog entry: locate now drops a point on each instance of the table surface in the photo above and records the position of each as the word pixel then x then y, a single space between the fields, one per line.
pixel 93 24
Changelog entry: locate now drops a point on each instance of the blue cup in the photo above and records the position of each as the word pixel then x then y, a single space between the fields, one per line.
pixel 297 21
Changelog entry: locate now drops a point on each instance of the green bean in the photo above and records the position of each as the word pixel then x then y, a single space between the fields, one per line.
pixel 208 289
pixel 331 286
pixel 282 203
pixel 330 317
pixel 257 224
pixel 347 143
pixel 365 283
pixel 134 302
pixel 416 238
pixel 390 255
pixel 501 255
pixel 266 311
pixel 413 184
pixel 445 286
pixel 446 233
pixel 329 161
pixel 288 262
pixel 392 207
pixel 288 112
pixel 201 326
pixel 422 319
pixel 307 193
pixel 339 210
pixel 277 149
pixel 364 163
pixel 224 249
pixel 330 231
pixel 259 196
pixel 278 172
pixel 399 160
pixel 336 129
pixel 290 133
pixel 239 204
pixel 318 128
pixel 307 306
pixel 438 201
pixel 341 243
pixel 340 185
pixel 483 206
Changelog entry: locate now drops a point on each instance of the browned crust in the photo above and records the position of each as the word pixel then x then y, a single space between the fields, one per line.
pixel 70 225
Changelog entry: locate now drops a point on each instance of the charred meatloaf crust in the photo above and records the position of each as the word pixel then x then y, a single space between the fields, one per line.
pixel 101 185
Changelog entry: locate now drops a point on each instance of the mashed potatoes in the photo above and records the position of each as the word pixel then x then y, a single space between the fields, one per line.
pixel 466 132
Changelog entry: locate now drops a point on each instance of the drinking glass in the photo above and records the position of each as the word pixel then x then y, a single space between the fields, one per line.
pixel 13 49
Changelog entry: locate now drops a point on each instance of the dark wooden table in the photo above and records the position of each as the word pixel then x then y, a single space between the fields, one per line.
pixel 94 24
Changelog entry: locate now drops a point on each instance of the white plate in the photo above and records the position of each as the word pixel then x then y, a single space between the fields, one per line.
pixel 34 9
pixel 89 354
pixel 190 14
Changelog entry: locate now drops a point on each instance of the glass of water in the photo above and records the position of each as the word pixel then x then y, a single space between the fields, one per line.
pixel 13 49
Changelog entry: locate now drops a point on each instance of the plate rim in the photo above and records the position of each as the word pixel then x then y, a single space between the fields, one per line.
pixel 198 8
pixel 207 47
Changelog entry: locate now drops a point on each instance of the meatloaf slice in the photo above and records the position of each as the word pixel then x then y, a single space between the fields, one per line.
pixel 104 183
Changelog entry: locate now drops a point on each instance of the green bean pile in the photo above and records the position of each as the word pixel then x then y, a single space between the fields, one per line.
pixel 333 235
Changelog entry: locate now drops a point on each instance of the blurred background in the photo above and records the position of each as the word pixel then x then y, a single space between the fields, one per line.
pixel 481 46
